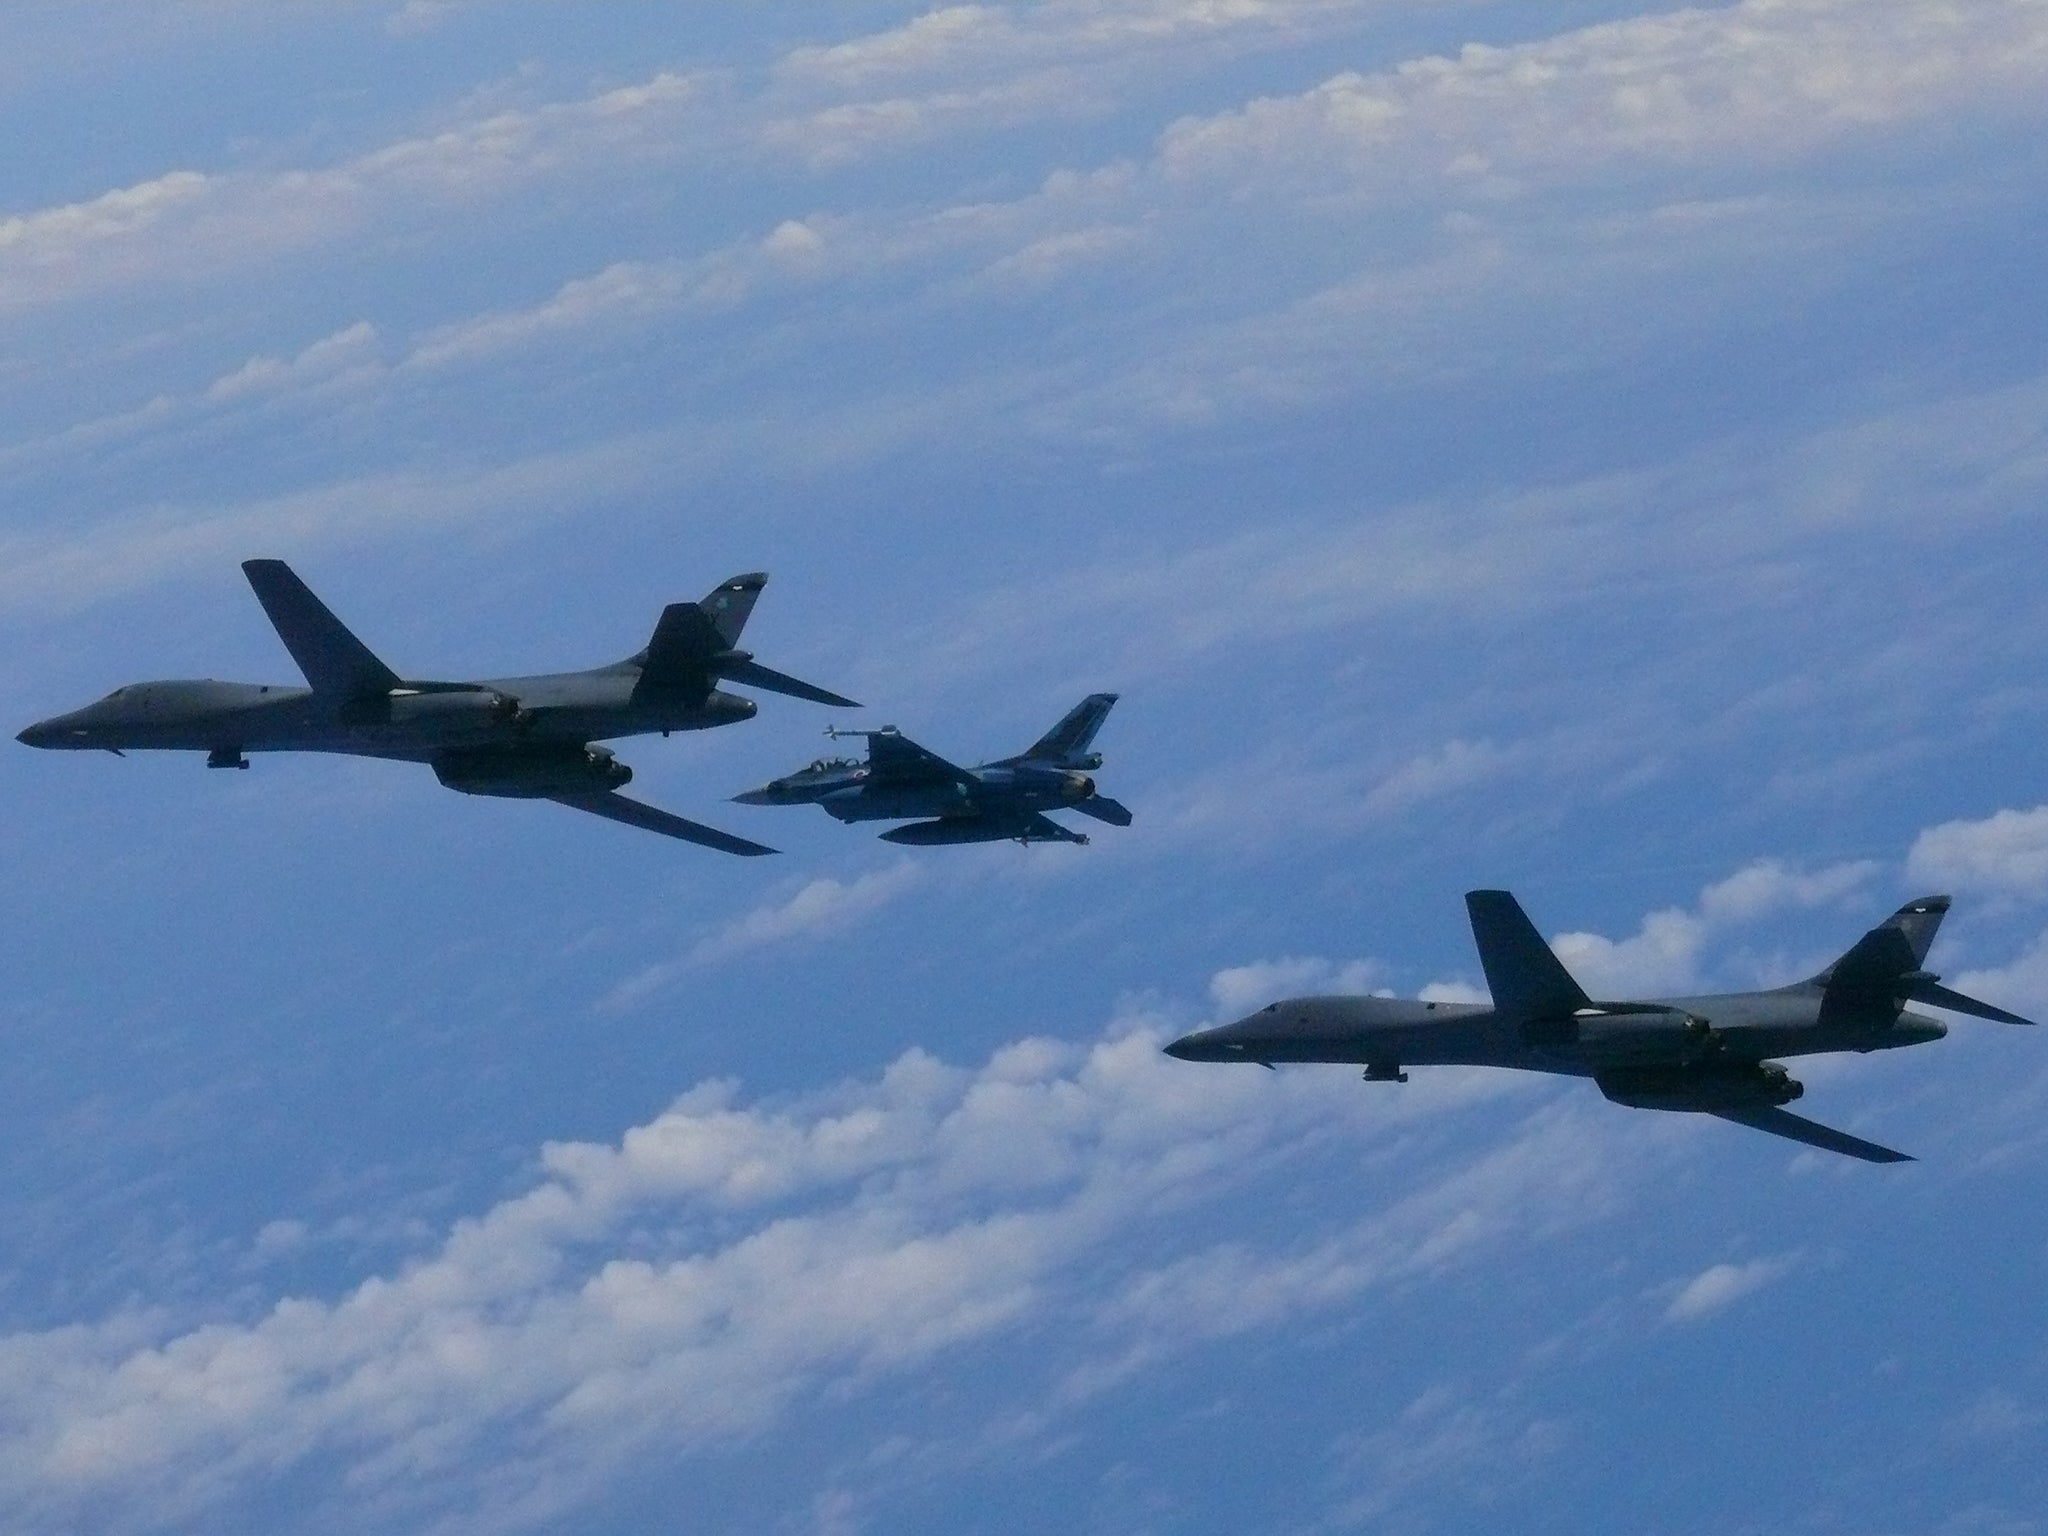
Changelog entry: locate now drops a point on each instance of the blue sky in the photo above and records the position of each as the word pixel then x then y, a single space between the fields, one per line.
pixel 1589 448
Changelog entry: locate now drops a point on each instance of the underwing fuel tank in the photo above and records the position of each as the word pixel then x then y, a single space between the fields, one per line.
pixel 1706 1086
pixel 928 834
pixel 532 773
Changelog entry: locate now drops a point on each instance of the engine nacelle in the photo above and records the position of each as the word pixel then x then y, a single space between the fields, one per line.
pixel 1077 786
pixel 1706 1085
pixel 1623 1035
pixel 532 772
pixel 481 711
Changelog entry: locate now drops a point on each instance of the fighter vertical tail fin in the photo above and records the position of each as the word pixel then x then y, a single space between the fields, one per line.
pixel 1069 740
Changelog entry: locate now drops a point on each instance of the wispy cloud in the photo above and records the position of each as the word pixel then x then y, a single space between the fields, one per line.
pixel 816 908
pixel 191 224
pixel 1721 1285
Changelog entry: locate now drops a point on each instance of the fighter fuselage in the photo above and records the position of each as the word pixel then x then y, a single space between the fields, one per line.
pixel 846 790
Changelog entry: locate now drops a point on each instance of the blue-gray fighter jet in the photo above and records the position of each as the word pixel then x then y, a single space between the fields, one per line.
pixel 1703 1054
pixel 993 802
pixel 519 737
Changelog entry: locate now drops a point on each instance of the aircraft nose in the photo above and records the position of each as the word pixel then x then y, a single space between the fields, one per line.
pixel 41 734
pixel 1206 1045
pixel 765 795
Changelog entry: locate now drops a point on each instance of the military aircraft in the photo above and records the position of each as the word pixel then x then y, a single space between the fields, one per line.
pixel 519 737
pixel 994 802
pixel 1704 1054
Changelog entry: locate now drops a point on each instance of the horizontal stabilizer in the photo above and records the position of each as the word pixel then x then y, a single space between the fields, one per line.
pixel 1935 995
pixel 751 674
pixel 337 665
pixel 617 807
pixel 1782 1122
pixel 1526 978
pixel 1102 808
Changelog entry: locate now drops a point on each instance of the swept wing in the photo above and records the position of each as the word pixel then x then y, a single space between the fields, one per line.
pixel 617 807
pixel 1036 828
pixel 1526 979
pixel 1782 1122
pixel 894 758
pixel 337 665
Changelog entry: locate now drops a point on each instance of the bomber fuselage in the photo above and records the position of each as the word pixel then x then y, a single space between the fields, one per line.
pixel 1388 1033
pixel 409 723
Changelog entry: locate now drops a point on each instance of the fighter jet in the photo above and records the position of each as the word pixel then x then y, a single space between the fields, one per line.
pixel 994 802
pixel 1703 1054
pixel 520 737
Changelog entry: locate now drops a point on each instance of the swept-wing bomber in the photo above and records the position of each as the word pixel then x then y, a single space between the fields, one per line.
pixel 1709 1055
pixel 519 737
pixel 993 802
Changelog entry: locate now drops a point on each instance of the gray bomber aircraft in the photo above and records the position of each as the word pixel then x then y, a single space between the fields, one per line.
pixel 993 802
pixel 1704 1054
pixel 526 738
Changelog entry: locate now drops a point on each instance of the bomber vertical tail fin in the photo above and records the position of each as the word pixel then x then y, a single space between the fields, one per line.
pixel 1879 969
pixel 695 643
pixel 729 603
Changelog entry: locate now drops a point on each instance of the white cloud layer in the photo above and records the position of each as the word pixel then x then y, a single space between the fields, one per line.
pixel 1665 953
pixel 1768 78
pixel 2005 854
pixel 689 1283
pixel 1245 987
